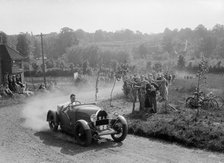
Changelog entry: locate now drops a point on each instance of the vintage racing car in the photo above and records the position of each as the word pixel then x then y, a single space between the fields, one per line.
pixel 87 122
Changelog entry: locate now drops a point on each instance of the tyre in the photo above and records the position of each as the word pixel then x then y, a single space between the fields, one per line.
pixel 211 104
pixel 220 101
pixel 206 104
pixel 52 120
pixel 121 126
pixel 83 134
pixel 215 104
pixel 191 103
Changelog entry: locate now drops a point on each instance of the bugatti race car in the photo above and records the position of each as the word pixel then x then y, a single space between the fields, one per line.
pixel 87 122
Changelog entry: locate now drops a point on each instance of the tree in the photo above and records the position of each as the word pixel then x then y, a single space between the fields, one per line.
pixel 114 65
pixel 167 41
pixel 207 45
pixel 49 63
pixel 120 73
pixel 201 74
pixel 35 67
pixel 149 65
pixel 142 51
pixel 157 67
pixel 80 34
pixel 36 52
pixel 23 45
pixel 64 40
pixel 220 48
pixel 200 31
pixel 3 37
pixel 71 66
pixel 218 30
pixel 189 67
pixel 99 35
pixel 181 62
pixel 85 67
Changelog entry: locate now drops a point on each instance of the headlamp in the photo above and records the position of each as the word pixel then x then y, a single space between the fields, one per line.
pixel 93 117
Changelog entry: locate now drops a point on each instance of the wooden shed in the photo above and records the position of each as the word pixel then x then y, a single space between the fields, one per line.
pixel 11 62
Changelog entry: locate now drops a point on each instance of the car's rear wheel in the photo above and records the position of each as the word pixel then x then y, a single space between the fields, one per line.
pixel 83 133
pixel 121 127
pixel 53 126
pixel 52 121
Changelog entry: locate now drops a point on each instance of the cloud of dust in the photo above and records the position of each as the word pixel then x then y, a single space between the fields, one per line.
pixel 36 108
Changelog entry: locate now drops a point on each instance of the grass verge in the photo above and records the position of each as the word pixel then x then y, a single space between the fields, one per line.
pixel 205 131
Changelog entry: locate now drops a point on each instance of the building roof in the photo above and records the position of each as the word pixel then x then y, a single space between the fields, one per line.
pixel 13 54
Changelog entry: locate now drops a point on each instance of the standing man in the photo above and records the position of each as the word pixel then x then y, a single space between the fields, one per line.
pixel 135 89
pixel 163 88
pixel 151 91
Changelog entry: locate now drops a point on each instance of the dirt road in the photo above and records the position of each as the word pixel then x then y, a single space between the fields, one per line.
pixel 24 139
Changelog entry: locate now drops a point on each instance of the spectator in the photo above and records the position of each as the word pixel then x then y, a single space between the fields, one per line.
pixel 2 91
pixel 6 79
pixel 7 91
pixel 150 100
pixel 42 88
pixel 19 81
pixel 15 85
pixel 10 84
pixel 163 88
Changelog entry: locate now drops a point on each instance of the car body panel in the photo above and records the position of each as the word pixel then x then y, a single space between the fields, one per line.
pixel 69 115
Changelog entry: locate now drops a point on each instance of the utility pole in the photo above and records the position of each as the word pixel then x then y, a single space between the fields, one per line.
pixel 42 51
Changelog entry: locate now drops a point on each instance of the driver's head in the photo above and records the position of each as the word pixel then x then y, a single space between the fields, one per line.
pixel 72 98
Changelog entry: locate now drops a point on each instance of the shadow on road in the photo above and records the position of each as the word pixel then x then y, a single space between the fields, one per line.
pixel 69 146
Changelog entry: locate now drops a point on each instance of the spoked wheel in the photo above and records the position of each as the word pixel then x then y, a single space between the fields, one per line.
pixel 192 103
pixel 83 133
pixel 206 104
pixel 210 104
pixel 121 127
pixel 52 120
pixel 53 126
pixel 214 104
pixel 220 101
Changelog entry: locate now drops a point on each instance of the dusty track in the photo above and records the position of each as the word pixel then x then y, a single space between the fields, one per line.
pixel 22 144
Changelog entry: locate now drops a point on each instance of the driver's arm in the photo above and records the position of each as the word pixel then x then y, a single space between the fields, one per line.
pixel 66 107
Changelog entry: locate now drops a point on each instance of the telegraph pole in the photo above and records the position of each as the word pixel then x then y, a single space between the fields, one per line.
pixel 42 51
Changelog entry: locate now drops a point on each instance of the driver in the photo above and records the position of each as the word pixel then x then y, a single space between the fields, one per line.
pixel 71 103
pixel 73 100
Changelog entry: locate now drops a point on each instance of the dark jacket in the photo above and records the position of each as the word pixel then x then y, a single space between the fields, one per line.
pixel 150 91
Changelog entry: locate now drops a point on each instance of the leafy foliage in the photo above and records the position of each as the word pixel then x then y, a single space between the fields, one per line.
pixel 181 62
pixel 126 46
pixel 3 37
pixel 23 45
pixel 201 74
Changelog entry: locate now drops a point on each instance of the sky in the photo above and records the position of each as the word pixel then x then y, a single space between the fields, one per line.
pixel 146 16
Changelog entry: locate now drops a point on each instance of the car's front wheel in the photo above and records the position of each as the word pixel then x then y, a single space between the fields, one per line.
pixel 83 133
pixel 121 127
